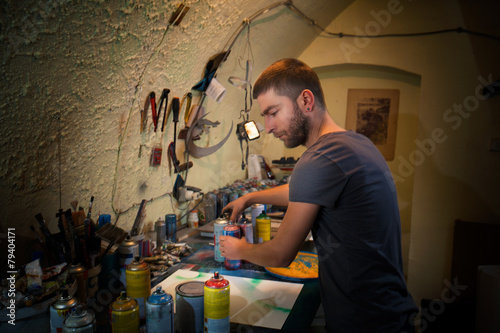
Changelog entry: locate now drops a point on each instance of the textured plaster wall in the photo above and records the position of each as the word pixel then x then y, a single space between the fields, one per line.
pixel 457 177
pixel 75 75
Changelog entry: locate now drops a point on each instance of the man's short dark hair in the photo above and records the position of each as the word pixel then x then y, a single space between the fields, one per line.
pixel 289 77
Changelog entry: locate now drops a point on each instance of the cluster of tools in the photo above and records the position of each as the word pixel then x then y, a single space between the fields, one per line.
pixel 166 109
pixel 77 240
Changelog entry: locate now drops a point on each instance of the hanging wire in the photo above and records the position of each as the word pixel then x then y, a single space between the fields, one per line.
pixel 229 45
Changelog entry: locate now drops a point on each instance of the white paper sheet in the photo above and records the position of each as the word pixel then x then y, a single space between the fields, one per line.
pixel 255 302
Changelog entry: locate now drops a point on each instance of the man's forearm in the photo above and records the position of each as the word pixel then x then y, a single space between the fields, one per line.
pixel 277 196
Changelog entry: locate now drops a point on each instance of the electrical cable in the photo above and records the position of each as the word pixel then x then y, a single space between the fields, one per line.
pixel 232 40
pixel 122 138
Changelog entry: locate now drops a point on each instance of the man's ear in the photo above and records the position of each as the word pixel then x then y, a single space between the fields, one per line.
pixel 306 100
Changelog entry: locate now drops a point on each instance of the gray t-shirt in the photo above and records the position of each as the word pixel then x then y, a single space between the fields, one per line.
pixel 357 233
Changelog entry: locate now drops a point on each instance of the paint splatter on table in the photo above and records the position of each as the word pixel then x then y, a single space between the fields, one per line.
pixel 304 267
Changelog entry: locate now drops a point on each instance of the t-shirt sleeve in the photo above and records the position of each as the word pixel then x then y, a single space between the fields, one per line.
pixel 316 179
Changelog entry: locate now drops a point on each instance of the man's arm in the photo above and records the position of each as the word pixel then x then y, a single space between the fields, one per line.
pixel 282 249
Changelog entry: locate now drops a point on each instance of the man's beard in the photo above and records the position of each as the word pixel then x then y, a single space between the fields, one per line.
pixel 298 132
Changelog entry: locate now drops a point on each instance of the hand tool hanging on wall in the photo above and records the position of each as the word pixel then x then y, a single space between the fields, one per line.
pixel 175 115
pixel 178 15
pixel 144 113
pixel 157 150
pixel 187 114
pixel 188 98
pixel 172 146
pixel 163 98
pixel 152 101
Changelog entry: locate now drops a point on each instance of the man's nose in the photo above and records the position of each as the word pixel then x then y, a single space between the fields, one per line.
pixel 268 126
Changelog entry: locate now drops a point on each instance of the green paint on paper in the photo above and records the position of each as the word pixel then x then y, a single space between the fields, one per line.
pixel 266 304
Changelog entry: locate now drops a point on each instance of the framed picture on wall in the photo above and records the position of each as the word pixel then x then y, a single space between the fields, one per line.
pixel 374 113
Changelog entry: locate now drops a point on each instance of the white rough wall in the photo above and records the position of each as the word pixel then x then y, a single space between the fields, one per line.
pixel 74 76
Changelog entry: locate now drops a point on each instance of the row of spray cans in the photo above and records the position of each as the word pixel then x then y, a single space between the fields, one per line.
pixel 200 307
pixel 137 304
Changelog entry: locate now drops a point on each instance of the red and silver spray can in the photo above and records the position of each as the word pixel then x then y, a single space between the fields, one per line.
pixel 232 230
pixel 216 304
pixel 219 225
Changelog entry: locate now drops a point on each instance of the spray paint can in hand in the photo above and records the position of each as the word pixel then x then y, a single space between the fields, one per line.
pixel 139 284
pixel 246 229
pixel 216 304
pixel 232 230
pixel 79 321
pixel 219 225
pixel 124 314
pixel 160 312
pixel 60 310
pixel 263 228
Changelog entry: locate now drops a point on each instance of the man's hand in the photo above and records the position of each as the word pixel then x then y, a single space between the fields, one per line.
pixel 232 247
pixel 236 207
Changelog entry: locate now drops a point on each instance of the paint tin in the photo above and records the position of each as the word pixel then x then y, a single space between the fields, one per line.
pixel 246 229
pixel 60 310
pixel 124 314
pixel 79 321
pixel 160 312
pixel 161 232
pixel 263 228
pixel 219 225
pixel 171 221
pixel 80 274
pixel 216 304
pixel 232 230
pixel 139 284
pixel 189 307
